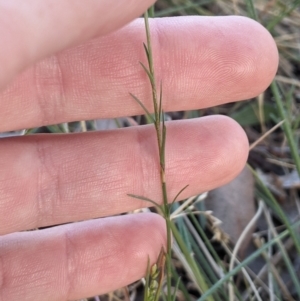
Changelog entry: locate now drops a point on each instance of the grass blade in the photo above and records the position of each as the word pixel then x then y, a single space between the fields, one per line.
pixel 286 125
pixel 180 191
pixel 193 265
pixel 251 9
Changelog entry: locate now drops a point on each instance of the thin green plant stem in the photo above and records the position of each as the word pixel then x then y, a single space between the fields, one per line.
pixel 184 233
pixel 161 136
pixel 160 128
pixel 182 287
pixel 192 263
pixel 249 259
pixel 208 272
pixel 286 126
pixel 207 241
pixel 203 262
pixel 202 247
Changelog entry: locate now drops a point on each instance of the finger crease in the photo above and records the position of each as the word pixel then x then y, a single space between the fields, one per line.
pixel 50 89
pixel 48 187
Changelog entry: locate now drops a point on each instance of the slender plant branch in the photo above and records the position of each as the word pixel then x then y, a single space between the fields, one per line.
pixel 153 286
pixel 160 129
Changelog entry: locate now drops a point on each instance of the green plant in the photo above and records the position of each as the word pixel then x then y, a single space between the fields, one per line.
pixel 152 291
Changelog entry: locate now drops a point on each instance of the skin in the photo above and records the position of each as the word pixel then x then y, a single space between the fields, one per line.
pixel 62 62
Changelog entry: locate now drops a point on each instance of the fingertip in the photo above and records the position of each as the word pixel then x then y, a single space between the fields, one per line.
pixel 204 153
pixel 249 58
pixel 264 53
pixel 227 150
pixel 235 155
pixel 218 60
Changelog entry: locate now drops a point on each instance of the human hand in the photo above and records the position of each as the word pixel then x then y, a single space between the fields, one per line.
pixel 54 179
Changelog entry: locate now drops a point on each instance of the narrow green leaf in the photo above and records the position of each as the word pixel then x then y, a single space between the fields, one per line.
pixel 182 286
pixel 144 108
pixel 144 199
pixel 176 289
pixel 163 142
pixel 148 72
pixel 177 195
pixel 199 277
pixel 147 52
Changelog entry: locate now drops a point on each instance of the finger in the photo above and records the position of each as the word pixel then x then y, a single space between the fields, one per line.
pixel 52 180
pixel 201 61
pixel 34 29
pixel 79 260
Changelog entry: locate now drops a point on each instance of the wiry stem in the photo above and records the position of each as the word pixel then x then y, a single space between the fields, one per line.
pixel 157 113
pixel 160 128
pixel 152 291
pixel 161 139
